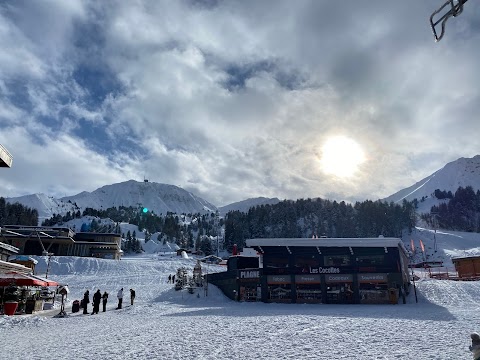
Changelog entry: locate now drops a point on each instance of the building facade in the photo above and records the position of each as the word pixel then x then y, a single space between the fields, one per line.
pixel 330 271
pixel 468 268
pixel 60 241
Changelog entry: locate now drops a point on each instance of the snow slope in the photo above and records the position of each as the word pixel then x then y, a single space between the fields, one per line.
pixel 462 172
pixel 159 198
pixel 166 324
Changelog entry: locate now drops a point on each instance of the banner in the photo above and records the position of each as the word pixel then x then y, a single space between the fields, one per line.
pixel 421 245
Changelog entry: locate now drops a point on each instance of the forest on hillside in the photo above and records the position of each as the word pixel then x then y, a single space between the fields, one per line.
pixel 17 214
pixel 460 211
pixel 306 218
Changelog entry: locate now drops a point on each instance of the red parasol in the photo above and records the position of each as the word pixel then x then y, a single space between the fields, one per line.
pixel 14 278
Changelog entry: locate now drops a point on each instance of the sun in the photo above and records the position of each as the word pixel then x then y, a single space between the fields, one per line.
pixel 341 156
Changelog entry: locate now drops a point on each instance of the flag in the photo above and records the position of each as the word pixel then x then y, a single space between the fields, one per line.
pixel 421 245
pixel 412 246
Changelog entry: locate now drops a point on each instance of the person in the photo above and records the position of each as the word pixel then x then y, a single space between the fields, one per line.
pixel 120 298
pixel 104 301
pixel 85 301
pixel 96 301
pixel 173 279
pixel 169 278
pixel 132 296
pixel 475 347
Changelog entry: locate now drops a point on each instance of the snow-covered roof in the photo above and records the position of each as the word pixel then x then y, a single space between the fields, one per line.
pixel 327 242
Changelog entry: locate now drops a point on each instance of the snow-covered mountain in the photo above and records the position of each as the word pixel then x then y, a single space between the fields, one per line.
pixel 247 204
pixel 462 172
pixel 159 198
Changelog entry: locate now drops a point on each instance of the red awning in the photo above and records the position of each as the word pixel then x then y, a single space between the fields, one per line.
pixel 18 279
pixel 48 281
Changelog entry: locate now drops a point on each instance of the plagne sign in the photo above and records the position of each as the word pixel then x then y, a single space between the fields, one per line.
pixel 325 270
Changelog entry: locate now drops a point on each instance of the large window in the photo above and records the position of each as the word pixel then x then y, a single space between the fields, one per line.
pixel 371 260
pixel 309 293
pixel 303 263
pixel 337 260
pixel 280 292
pixel 275 262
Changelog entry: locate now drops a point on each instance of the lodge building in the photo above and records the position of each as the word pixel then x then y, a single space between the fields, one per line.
pixel 60 241
pixel 326 270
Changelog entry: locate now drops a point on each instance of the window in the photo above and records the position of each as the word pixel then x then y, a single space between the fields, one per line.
pixel 305 262
pixel 275 262
pixel 337 260
pixel 371 260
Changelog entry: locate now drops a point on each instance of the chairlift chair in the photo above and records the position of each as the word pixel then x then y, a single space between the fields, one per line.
pixel 442 14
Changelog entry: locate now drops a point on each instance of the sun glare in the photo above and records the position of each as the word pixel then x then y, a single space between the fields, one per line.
pixel 341 156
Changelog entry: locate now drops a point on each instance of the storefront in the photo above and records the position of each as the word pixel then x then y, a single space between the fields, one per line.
pixel 308 289
pixel 250 288
pixel 333 271
pixel 339 289
pixel 279 288
pixel 373 288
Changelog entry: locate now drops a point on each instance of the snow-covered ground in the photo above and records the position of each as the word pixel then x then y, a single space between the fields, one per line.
pixel 168 324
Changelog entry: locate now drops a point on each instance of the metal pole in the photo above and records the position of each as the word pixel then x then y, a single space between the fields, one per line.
pixel 48 265
pixel 414 287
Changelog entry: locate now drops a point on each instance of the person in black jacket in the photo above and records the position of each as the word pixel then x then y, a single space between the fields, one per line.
pixel 85 301
pixel 132 296
pixel 96 301
pixel 104 301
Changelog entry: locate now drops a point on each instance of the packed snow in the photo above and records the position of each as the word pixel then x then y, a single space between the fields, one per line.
pixel 168 324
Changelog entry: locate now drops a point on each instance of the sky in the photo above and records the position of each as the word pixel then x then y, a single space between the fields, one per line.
pixel 168 324
pixel 232 100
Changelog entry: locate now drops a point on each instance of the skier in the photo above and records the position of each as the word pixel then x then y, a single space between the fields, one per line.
pixel 169 278
pixel 475 347
pixel 104 301
pixel 96 301
pixel 173 279
pixel 85 301
pixel 132 296
pixel 120 298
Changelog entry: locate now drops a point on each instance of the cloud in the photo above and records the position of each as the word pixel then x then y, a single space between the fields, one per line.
pixel 233 100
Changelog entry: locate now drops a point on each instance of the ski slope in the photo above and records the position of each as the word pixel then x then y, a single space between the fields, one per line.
pixel 168 324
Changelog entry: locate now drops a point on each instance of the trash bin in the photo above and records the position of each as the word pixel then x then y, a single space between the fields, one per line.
pixel 75 306
pixel 29 306
pixel 10 307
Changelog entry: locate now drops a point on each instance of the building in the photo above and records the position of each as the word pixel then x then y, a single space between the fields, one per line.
pixel 5 158
pixel 60 241
pixel 6 253
pixel 468 268
pixel 325 270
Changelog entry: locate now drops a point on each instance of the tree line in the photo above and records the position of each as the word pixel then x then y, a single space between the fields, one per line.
pixel 186 230
pixel 460 213
pixel 17 214
pixel 306 218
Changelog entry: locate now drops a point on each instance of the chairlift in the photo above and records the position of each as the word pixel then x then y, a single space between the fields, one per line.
pixel 442 14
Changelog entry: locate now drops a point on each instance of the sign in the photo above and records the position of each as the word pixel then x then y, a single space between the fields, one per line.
pixel 307 279
pixel 372 278
pixel 279 279
pixel 249 274
pixel 339 278
pixel 325 270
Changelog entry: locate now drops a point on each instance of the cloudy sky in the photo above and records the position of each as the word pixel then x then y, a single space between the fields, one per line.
pixel 347 100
